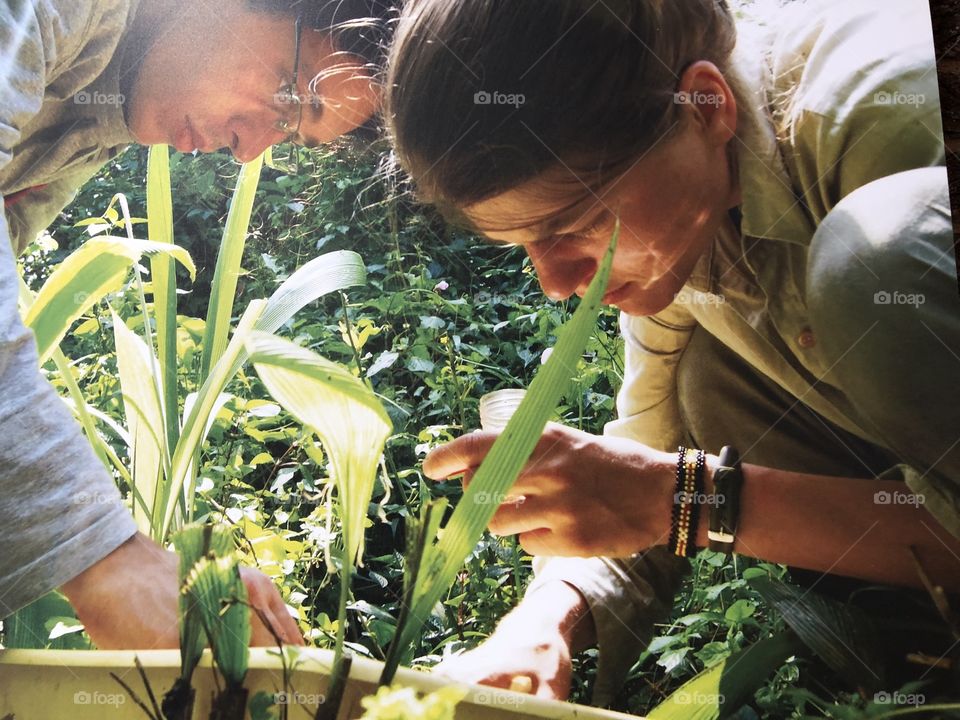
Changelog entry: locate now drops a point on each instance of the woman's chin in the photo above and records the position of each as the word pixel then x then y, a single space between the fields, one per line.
pixel 643 303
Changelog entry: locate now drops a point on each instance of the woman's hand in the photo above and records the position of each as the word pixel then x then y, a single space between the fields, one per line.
pixel 579 495
pixel 129 600
pixel 535 641
pixel 506 656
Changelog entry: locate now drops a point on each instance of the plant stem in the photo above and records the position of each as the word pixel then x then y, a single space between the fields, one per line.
pixel 345 576
pixel 349 328
pixel 329 709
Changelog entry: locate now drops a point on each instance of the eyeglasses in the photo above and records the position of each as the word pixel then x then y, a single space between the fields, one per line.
pixel 290 102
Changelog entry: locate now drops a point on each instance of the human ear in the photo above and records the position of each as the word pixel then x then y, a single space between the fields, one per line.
pixel 705 91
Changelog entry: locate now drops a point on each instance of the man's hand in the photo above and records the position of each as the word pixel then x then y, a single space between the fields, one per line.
pixel 579 495
pixel 128 600
pixel 535 641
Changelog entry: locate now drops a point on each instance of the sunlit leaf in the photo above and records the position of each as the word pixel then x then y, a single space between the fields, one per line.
pixel 96 269
pixel 164 283
pixel 145 421
pixel 341 409
pixel 223 289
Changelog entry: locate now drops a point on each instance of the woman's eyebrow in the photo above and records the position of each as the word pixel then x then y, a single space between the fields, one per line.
pixel 569 221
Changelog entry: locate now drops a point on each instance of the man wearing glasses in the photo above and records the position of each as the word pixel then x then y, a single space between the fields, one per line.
pixel 80 80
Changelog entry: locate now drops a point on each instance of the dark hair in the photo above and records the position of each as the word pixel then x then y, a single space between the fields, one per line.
pixel 483 95
pixel 360 27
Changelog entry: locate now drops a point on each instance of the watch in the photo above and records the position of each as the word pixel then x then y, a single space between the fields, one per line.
pixel 725 509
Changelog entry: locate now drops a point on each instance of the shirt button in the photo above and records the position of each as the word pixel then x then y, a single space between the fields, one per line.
pixel 806 338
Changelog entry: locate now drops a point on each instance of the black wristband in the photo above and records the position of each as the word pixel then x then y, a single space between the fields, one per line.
pixel 725 510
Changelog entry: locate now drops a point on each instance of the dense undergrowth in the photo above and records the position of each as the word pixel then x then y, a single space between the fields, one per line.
pixel 442 320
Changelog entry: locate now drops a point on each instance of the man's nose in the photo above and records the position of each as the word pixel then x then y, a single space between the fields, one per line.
pixel 561 274
pixel 249 142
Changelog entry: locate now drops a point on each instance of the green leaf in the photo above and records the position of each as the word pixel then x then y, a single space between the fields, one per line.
pixel 215 587
pixel 506 458
pixel 673 659
pixel 97 268
pixel 223 289
pixel 723 688
pixel 194 543
pixel 164 281
pixel 145 421
pixel 740 611
pixel 341 409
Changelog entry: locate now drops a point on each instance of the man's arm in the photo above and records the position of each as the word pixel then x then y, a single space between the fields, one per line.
pixel 130 599
pixel 60 511
pixel 62 522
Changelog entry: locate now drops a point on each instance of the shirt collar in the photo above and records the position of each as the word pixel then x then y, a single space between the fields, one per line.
pixel 772 207
pixel 112 120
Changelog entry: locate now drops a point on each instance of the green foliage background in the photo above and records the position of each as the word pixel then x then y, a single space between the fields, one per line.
pixel 443 320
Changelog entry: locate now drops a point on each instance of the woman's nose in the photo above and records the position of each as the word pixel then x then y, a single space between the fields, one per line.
pixel 561 274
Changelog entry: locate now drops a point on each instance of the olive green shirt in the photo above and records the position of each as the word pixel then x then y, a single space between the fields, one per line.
pixel 840 128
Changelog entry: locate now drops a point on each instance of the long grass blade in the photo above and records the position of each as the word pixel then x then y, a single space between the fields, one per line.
pixel 506 458
pixel 223 290
pixel 164 283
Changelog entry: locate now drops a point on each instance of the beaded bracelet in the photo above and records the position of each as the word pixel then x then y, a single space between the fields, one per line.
pixel 688 489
